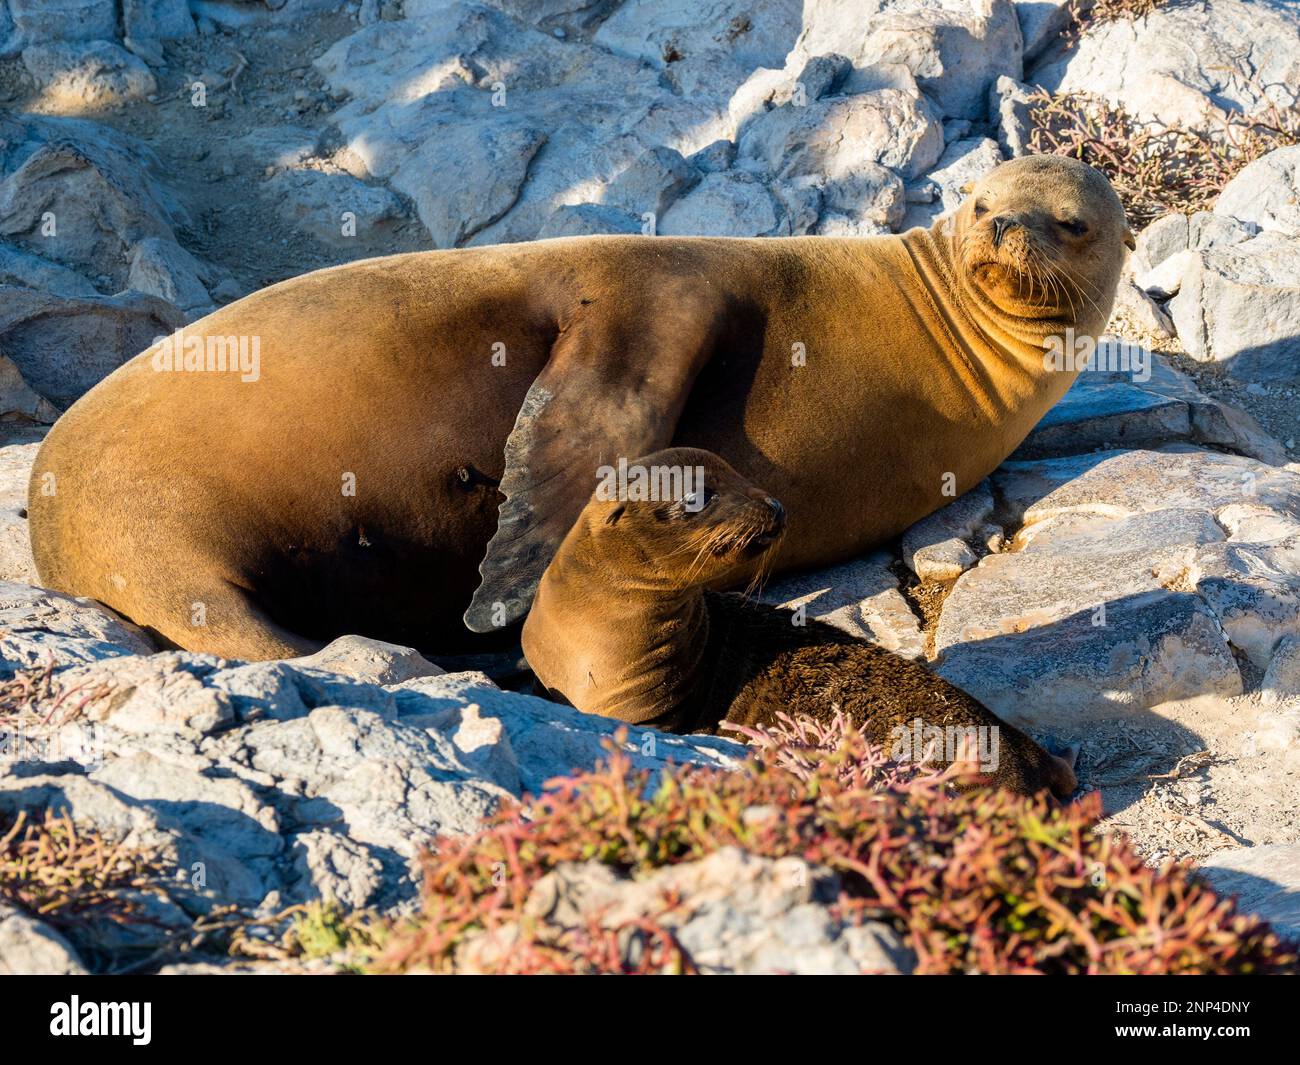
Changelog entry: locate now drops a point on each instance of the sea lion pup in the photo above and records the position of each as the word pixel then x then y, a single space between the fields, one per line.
pixel 333 454
pixel 624 624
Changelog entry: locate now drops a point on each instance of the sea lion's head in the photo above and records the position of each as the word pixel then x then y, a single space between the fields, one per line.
pixel 1043 237
pixel 615 621
pixel 681 519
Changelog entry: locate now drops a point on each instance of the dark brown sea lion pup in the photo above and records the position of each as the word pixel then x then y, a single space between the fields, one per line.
pixel 624 625
pixel 328 455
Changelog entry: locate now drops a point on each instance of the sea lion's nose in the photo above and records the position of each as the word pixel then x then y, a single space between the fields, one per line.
pixel 778 513
pixel 1000 226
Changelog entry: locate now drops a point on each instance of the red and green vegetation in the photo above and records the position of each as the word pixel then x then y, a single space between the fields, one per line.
pixel 1157 169
pixel 982 881
pixel 1154 168
pixel 71 877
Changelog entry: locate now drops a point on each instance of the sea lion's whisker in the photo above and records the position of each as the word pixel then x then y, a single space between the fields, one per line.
pixel 716 538
pixel 1078 286
pixel 1065 273
pixel 1063 270
pixel 694 542
pixel 1053 283
pixel 765 569
pixel 697 564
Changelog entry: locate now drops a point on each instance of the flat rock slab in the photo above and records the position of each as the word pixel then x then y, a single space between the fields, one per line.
pixel 1136 578
pixel 1265 880
pixel 1142 406
pixel 861 597
pixel 1118 483
pixel 1107 410
pixel 1073 564
pixel 1061 678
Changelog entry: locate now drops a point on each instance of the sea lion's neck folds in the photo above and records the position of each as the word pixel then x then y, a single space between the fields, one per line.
pixel 1019 340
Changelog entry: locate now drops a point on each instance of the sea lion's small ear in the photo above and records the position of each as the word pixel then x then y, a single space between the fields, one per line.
pixel 1129 242
pixel 614 515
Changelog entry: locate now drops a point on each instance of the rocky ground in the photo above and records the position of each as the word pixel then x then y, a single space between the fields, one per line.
pixel 1128 581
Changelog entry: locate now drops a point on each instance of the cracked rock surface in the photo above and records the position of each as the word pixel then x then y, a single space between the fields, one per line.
pixel 267 784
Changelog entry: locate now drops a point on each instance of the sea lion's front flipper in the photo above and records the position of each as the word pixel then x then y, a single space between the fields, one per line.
pixel 611 389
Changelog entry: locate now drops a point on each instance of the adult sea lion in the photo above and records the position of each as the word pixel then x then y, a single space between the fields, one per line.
pixel 623 625
pixel 345 475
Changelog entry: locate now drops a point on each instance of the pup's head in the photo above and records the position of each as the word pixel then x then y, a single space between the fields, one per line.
pixel 678 519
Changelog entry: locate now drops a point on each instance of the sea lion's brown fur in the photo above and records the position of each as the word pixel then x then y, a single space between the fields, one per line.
pixel 624 625
pixel 213 511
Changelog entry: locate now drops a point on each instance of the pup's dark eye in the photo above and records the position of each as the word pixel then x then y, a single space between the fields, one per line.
pixel 1073 225
pixel 696 501
pixel 981 209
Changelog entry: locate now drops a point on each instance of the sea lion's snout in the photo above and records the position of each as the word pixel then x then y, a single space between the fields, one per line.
pixel 1007 238
pixel 774 525
pixel 1000 226
pixel 765 517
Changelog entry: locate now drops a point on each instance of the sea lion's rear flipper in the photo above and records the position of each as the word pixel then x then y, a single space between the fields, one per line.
pixel 611 389
pixel 1064 771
